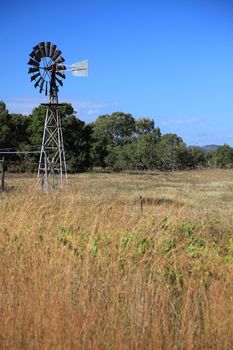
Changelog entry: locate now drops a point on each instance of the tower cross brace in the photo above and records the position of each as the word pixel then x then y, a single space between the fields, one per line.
pixel 52 171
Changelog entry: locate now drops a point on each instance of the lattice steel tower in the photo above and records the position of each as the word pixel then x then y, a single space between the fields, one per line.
pixel 47 66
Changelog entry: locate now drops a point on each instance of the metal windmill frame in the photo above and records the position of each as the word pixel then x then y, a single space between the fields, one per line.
pixel 47 68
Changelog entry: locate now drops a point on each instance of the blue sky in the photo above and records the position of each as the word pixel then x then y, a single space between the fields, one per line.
pixel 168 60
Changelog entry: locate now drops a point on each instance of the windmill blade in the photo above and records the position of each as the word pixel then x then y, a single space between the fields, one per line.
pixel 41 85
pixel 32 70
pixel 42 49
pixel 60 59
pixel 80 69
pixel 38 81
pixel 35 76
pixel 47 48
pixel 56 54
pixel 33 62
pixel 62 75
pixel 38 56
pixel 52 50
pixel 46 88
pixel 59 81
pixel 32 54
pixel 35 48
pixel 61 67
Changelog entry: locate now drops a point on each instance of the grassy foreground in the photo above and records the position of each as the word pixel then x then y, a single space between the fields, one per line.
pixel 118 262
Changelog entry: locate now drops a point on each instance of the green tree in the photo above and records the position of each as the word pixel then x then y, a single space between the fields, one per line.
pixel 121 142
pixel 2 107
pixel 36 125
pixel 76 143
pixel 144 126
pixel 145 155
pixel 222 157
pixel 115 128
pixel 13 135
pixel 197 157
pixel 138 154
pixel 171 152
pixel 19 124
pixel 109 131
pixel 5 127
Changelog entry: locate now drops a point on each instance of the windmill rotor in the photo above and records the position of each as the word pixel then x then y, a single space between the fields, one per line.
pixel 45 64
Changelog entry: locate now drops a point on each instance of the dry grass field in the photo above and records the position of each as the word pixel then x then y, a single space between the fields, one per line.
pixel 118 261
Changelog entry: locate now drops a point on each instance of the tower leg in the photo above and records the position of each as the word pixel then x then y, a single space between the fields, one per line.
pixel 52 171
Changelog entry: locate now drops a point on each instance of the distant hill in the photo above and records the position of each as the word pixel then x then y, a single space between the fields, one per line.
pixel 207 148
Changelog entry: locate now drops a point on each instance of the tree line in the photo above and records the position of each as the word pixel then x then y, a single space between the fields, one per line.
pixel 114 141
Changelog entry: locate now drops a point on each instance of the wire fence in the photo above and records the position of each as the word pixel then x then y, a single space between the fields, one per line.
pixel 13 160
pixel 17 161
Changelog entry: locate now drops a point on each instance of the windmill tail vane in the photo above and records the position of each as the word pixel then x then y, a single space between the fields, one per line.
pixel 79 69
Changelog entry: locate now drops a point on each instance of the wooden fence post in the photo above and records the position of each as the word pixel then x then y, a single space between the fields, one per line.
pixel 3 174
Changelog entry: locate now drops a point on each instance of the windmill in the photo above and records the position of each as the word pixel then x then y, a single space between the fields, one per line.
pixel 47 71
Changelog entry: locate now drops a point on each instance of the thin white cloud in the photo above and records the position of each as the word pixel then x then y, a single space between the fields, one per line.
pixel 90 110
pixel 214 137
pixel 22 105
pixel 85 109
pixel 92 104
pixel 179 122
pixel 93 112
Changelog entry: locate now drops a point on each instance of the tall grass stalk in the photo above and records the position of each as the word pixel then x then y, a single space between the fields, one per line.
pixel 86 271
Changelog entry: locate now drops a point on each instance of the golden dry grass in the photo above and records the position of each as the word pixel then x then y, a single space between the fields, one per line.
pixel 118 262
